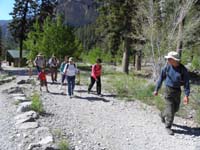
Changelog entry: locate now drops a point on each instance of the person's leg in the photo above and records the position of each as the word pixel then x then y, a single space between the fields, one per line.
pixel 52 78
pixel 45 83
pixel 55 74
pixel 69 85
pixel 73 84
pixel 92 81
pixel 99 85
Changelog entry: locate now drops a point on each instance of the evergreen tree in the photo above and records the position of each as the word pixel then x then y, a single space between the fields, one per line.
pixel 23 15
pixel 117 25
pixel 46 9
pixel 54 38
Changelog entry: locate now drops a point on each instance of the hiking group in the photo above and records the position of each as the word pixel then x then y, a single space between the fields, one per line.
pixel 68 71
pixel 173 73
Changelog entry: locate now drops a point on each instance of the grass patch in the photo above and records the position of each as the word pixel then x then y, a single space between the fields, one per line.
pixel 37 103
pixel 63 145
pixel 131 87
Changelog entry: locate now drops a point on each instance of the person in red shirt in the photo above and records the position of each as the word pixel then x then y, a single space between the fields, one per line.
pixel 96 76
pixel 43 80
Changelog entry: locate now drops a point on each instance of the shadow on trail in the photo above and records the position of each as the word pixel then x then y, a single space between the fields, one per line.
pixel 186 130
pixel 46 114
pixel 92 99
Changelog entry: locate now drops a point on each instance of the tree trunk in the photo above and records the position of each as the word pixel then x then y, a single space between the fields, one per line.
pixel 138 60
pixel 126 55
pixel 180 33
pixel 20 53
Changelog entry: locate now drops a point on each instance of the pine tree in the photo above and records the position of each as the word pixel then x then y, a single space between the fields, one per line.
pixel 23 15
pixel 118 26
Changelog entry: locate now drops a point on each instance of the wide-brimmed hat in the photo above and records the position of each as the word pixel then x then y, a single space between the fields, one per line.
pixel 70 58
pixel 173 55
pixel 40 54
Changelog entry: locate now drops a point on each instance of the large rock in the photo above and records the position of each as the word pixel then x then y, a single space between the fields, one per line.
pixel 26 117
pixel 28 125
pixel 21 99
pixel 23 107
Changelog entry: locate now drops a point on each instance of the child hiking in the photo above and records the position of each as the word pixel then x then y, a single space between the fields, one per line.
pixel 43 80
pixel 71 71
pixel 175 75
pixel 96 76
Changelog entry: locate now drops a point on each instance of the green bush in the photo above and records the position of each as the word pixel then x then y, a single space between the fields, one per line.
pixel 196 62
pixel 94 54
pixel 63 145
pixel 37 103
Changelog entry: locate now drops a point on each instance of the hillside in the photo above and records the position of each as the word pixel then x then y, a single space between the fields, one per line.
pixel 78 12
pixel 4 25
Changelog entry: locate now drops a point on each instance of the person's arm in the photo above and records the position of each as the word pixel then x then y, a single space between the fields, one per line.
pixel 186 87
pixel 160 80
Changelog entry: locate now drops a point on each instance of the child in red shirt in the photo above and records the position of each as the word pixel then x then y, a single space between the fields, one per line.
pixel 96 76
pixel 43 80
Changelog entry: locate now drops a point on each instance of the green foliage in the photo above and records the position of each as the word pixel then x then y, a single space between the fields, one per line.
pixel 63 145
pixel 36 104
pixel 196 62
pixel 54 38
pixel 94 54
pixel 130 87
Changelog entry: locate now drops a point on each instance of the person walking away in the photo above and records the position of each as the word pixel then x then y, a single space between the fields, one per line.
pixel 39 62
pixel 53 64
pixel 43 79
pixel 71 71
pixel 175 74
pixel 30 67
pixel 96 76
pixel 62 67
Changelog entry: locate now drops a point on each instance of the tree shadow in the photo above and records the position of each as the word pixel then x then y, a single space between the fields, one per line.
pixel 92 99
pixel 186 130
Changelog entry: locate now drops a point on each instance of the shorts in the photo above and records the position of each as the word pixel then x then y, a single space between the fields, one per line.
pixel 43 82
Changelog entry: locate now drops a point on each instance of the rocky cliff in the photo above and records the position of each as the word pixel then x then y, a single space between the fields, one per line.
pixel 77 12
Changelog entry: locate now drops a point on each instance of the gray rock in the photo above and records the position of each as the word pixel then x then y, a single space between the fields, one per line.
pixel 28 125
pixel 26 117
pixel 21 99
pixel 25 106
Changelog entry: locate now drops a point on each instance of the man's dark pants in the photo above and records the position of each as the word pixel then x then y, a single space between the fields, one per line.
pixel 172 102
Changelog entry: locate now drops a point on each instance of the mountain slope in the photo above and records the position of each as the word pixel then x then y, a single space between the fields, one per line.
pixel 78 12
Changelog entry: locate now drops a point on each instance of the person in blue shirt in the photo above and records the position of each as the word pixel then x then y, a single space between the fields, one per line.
pixel 175 75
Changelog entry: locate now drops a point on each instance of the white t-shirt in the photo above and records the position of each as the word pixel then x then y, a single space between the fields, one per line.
pixel 70 69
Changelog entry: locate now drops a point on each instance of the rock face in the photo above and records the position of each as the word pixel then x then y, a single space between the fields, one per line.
pixel 78 12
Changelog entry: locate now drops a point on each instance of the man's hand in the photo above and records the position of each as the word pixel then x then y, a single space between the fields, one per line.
pixel 155 93
pixel 186 100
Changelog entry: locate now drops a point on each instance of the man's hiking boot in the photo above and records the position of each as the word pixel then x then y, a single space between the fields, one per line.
pixel 169 131
pixel 162 118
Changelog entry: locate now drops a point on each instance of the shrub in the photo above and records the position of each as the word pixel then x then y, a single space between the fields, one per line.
pixel 63 145
pixel 36 103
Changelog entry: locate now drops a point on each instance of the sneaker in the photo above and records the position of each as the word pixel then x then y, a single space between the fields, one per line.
pixel 169 131
pixel 162 118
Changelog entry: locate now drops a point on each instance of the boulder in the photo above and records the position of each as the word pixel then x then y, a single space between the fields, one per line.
pixel 23 107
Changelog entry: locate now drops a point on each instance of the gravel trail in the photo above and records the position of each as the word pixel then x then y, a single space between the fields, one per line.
pixel 90 122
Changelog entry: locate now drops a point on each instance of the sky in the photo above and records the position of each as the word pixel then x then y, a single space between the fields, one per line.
pixel 6 7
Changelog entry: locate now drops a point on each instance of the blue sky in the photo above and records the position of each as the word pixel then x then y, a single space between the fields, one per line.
pixel 6 7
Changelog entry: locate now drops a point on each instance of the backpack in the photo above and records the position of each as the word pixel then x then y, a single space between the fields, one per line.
pixel 181 72
pixel 68 66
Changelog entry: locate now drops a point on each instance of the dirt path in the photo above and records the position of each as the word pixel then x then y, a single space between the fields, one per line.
pixel 90 122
